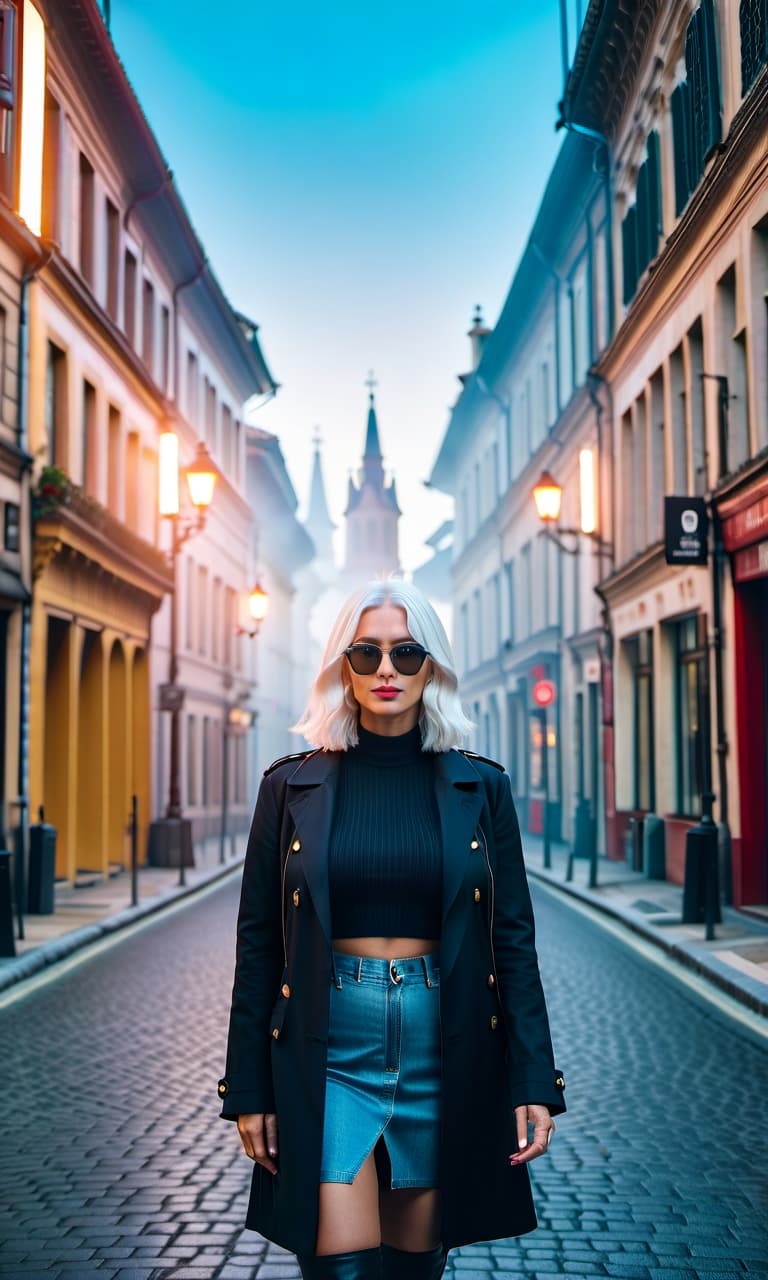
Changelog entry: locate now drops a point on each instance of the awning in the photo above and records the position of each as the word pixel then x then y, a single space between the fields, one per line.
pixel 12 588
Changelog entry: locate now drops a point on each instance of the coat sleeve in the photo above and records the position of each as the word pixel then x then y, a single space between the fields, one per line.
pixel 533 1075
pixel 247 1083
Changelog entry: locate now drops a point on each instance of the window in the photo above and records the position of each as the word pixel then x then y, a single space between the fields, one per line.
pixel 464 633
pixel 51 165
pixel 88 440
pixel 7 99
pixel 656 486
pixel 189 629
pixel 691 713
pixel 524 595
pixel 129 298
pixel 698 421
pixel 640 654
pixel 193 389
pixel 510 572
pixel 191 760
pixel 695 104
pixel 206 762
pixel 642 223
pixel 477 609
pixel 733 363
pixel 202 609
pixel 132 479
pixel 56 405
pixel 210 414
pixel 227 440
pixel 165 345
pixel 114 460
pixel 87 178
pixel 753 21
pixel 148 326
pixel 113 257
pixel 679 402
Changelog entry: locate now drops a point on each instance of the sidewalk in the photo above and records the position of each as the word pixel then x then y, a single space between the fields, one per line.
pixel 91 910
pixel 736 960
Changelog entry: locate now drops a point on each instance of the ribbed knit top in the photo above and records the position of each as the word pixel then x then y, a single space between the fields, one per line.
pixel 384 859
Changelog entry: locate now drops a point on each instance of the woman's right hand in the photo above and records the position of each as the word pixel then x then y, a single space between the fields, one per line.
pixel 258 1134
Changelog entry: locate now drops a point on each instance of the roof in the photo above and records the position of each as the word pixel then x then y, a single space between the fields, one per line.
pixel 612 41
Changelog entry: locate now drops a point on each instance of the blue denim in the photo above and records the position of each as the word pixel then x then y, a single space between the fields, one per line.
pixel 383 1076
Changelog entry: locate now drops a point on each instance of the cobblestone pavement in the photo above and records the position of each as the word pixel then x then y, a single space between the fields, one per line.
pixel 114 1163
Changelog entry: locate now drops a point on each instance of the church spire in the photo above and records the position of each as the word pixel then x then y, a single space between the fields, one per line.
pixel 318 523
pixel 373 467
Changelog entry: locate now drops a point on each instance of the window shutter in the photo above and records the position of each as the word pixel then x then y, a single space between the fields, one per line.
pixel 712 131
pixel 629 254
pixel 654 194
pixel 7 23
pixel 678 107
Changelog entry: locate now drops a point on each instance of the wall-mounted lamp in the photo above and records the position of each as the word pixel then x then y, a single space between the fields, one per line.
pixel 258 605
pixel 548 494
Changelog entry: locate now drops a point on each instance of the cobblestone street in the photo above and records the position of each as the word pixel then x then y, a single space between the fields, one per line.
pixel 114 1162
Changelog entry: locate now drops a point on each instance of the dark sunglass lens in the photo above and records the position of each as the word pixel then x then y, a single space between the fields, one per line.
pixel 407 658
pixel 364 659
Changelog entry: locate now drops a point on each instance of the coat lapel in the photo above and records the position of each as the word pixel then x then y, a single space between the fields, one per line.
pixel 460 796
pixel 311 795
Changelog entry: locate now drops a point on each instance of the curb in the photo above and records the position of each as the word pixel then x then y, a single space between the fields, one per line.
pixel 713 971
pixel 58 949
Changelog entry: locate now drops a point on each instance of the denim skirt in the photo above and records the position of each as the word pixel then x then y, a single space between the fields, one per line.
pixel 383 1075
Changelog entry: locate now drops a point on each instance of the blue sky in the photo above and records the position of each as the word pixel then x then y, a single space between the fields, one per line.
pixel 360 178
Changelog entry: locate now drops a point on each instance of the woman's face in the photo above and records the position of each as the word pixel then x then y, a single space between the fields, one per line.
pixel 390 703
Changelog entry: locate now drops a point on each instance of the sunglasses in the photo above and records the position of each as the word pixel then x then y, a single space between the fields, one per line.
pixel 365 659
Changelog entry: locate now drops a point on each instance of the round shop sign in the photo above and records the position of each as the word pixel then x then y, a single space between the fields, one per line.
pixel 544 693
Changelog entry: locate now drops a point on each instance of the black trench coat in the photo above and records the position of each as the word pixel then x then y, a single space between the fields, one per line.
pixel 496 1047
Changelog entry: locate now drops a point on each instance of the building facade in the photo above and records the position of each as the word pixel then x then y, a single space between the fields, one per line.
pixel 525 607
pixel 129 336
pixel 682 97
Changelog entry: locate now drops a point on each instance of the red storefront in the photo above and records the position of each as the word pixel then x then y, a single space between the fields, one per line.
pixel 744 516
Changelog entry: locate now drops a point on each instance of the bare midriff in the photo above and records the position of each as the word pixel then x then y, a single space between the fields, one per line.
pixel 386 948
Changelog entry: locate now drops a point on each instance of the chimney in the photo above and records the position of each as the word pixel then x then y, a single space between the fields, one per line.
pixel 477 336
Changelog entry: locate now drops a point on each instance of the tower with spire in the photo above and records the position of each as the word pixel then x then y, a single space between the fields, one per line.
pixel 372 512
pixel 318 523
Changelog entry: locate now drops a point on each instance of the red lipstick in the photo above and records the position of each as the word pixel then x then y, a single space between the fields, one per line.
pixel 386 692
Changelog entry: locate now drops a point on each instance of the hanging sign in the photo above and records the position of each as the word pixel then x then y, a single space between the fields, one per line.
pixel 544 693
pixel 686 528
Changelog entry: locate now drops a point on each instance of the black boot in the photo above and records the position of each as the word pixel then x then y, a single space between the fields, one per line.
pixel 364 1264
pixel 399 1265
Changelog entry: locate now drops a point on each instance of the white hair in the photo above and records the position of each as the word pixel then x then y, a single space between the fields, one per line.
pixel 329 719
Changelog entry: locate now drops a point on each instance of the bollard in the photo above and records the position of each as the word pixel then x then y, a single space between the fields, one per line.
pixel 701 895
pixel 7 940
pixel 134 823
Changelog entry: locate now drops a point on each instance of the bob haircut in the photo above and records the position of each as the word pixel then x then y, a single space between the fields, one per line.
pixel 330 717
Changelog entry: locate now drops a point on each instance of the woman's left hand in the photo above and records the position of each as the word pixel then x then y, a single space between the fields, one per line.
pixel 543 1128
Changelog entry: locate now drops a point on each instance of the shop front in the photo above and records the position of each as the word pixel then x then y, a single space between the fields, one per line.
pixel 744 516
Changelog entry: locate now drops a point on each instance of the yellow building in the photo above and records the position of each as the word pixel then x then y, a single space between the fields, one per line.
pixel 129 336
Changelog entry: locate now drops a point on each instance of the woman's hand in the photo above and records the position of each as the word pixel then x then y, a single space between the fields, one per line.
pixel 543 1128
pixel 258 1134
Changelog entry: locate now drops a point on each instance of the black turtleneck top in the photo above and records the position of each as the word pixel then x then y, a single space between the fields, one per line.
pixel 385 861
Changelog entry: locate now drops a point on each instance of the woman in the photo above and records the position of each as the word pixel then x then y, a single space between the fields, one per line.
pixel 389 1043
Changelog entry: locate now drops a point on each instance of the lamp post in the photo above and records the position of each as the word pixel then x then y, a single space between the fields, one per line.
pixel 170 837
pixel 238 719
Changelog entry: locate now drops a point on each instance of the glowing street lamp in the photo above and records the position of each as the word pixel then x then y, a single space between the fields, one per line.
pixel 548 495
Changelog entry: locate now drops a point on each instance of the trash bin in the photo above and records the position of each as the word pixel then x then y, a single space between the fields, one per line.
pixel 633 843
pixel 42 869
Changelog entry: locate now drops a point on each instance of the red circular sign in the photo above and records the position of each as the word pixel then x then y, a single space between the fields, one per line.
pixel 544 693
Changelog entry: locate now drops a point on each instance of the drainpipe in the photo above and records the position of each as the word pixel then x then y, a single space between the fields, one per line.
pixel 606 174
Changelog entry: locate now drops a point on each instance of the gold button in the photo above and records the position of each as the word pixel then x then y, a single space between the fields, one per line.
pixel 275 1033
pixel 286 990
pixel 296 846
pixel 477 895
pixel 560 1082
pixel 223 1087
pixel 296 897
pixel 475 844
pixel 491 980
pixel 494 1022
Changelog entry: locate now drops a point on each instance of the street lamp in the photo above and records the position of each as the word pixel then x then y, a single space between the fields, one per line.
pixel 258 605
pixel 548 495
pixel 238 719
pixel 171 836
